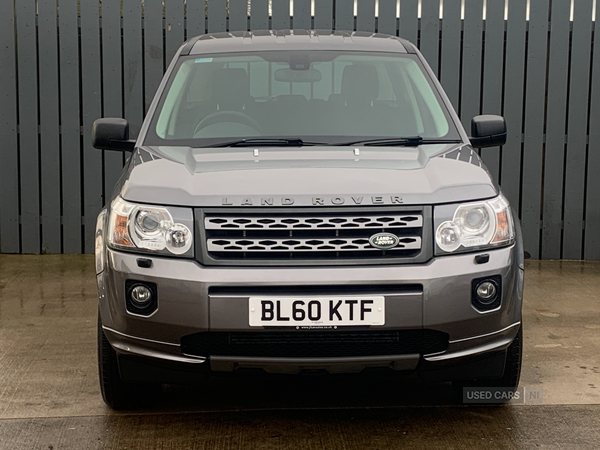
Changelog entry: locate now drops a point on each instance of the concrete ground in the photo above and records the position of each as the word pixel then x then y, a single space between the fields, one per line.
pixel 49 395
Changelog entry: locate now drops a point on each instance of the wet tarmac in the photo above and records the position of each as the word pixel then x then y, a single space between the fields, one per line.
pixel 49 395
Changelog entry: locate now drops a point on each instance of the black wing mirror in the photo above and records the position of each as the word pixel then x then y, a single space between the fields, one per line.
pixel 112 134
pixel 488 131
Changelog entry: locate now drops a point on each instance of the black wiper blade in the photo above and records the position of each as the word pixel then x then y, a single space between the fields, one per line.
pixel 411 141
pixel 277 142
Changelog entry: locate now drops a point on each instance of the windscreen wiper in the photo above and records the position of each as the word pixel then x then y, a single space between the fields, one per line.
pixel 263 142
pixel 411 141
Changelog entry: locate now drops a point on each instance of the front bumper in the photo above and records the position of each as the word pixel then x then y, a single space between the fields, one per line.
pixel 195 298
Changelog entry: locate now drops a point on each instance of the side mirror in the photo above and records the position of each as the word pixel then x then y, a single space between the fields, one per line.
pixel 488 131
pixel 112 134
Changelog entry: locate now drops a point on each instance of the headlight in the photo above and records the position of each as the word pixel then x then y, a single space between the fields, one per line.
pixel 473 226
pixel 99 242
pixel 152 229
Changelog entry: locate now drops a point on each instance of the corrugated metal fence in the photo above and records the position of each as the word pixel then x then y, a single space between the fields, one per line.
pixel 65 63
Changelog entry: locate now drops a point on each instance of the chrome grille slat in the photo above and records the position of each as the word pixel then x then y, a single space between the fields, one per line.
pixel 392 221
pixel 335 244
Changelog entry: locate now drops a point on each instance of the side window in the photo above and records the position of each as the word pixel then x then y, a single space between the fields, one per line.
pixel 168 115
pixel 434 120
pixel 409 99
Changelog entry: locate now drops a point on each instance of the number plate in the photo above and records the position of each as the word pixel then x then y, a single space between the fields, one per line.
pixel 316 311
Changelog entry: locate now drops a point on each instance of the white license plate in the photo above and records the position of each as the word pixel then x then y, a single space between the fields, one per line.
pixel 316 311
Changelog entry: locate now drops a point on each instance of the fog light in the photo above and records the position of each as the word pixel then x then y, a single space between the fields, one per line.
pixel 141 295
pixel 486 292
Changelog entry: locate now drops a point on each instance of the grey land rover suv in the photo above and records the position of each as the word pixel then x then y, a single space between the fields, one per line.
pixel 302 200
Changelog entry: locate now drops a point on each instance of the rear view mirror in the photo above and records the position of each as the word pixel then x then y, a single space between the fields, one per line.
pixel 488 131
pixel 298 76
pixel 112 134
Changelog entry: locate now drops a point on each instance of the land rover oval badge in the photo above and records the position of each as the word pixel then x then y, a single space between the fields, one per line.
pixel 384 241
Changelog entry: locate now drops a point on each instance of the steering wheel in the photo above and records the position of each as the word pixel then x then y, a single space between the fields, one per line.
pixel 227 116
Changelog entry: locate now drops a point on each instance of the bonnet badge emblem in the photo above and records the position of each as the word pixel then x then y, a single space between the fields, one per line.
pixel 384 241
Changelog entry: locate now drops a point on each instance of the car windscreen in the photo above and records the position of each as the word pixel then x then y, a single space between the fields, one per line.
pixel 322 96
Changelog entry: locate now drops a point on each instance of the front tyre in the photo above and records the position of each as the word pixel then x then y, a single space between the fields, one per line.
pixel 512 371
pixel 116 393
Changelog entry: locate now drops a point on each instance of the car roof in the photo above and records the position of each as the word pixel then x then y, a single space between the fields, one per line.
pixel 272 40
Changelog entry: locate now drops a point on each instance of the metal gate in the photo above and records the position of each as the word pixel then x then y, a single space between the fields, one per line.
pixel 65 63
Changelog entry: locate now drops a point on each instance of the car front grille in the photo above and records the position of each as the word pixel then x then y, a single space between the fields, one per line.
pixel 314 344
pixel 308 236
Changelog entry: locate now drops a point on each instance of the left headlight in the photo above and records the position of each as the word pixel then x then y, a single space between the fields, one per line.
pixel 473 226
pixel 150 229
pixel 99 242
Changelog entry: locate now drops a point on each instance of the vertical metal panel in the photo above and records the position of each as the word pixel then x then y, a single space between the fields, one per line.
pixel 365 15
pixel 534 126
pixel 492 76
pixel 592 211
pixel 344 15
pixel 386 20
pixel 91 104
pixel 471 62
pixel 429 44
pixel 70 126
pixel 174 32
pixel 238 15
pixel 450 61
pixel 217 12
pixel 558 62
pixel 9 163
pixel 409 20
pixel 154 56
pixel 577 130
pixel 513 100
pixel 112 89
pixel 28 123
pixel 196 18
pixel 324 14
pixel 133 89
pixel 259 14
pixel 280 19
pixel 49 127
pixel 302 14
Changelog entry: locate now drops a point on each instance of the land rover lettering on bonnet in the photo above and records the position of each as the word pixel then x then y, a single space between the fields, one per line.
pixel 298 200
pixel 315 201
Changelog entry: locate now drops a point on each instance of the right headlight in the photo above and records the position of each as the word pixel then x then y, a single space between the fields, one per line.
pixel 473 226
pixel 150 229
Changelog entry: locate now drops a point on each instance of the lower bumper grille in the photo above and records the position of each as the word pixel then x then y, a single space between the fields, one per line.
pixel 314 344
